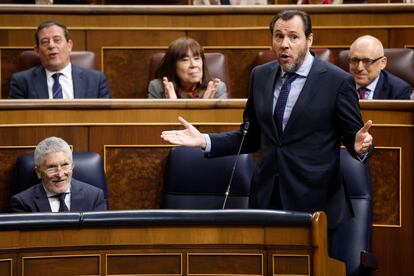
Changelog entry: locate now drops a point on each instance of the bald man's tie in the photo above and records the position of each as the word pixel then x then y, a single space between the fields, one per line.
pixel 361 92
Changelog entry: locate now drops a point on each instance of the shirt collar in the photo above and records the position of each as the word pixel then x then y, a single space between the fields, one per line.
pixel 371 86
pixel 67 72
pixel 49 194
pixel 304 69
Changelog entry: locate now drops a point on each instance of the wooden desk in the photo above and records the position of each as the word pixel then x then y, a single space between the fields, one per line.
pixel 127 134
pixel 152 247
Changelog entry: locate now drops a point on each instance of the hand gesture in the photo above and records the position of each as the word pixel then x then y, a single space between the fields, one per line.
pixel 189 136
pixel 363 140
pixel 169 89
pixel 211 89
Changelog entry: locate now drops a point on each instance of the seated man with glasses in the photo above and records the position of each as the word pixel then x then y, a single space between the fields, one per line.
pixel 366 64
pixel 58 191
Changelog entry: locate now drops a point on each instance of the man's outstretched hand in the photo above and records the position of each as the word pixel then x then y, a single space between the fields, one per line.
pixel 189 136
pixel 363 140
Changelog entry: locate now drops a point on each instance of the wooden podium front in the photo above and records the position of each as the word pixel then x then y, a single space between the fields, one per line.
pixel 168 243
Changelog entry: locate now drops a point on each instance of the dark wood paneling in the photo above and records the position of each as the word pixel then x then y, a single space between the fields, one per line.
pixel 9 65
pixel 124 39
pixel 6 267
pixel 135 176
pixel 8 157
pixel 61 265
pixel 231 264
pixel 291 265
pixel 130 264
pixel 127 71
pixel 386 186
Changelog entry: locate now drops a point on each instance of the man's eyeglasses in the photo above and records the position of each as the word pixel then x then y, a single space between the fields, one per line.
pixel 365 61
pixel 54 170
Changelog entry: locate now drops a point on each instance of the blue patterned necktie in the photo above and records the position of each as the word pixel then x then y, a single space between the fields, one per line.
pixel 282 100
pixel 57 88
pixel 62 207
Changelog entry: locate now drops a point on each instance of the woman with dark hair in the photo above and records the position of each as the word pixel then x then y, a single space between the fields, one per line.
pixel 183 74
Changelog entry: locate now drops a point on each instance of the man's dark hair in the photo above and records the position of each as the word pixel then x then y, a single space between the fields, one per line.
pixel 50 23
pixel 289 14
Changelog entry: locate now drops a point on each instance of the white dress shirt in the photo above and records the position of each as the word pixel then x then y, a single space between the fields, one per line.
pixel 54 201
pixel 65 81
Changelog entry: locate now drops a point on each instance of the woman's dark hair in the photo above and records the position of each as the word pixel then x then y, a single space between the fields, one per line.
pixel 177 50
pixel 289 14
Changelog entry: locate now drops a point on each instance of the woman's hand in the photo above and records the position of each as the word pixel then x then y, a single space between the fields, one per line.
pixel 211 89
pixel 169 89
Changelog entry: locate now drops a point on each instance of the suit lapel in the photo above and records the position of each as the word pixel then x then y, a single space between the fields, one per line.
pixel 308 91
pixel 78 82
pixel 269 97
pixel 76 196
pixel 40 199
pixel 380 88
pixel 40 83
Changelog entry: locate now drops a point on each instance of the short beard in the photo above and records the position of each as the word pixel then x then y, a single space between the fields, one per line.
pixel 293 67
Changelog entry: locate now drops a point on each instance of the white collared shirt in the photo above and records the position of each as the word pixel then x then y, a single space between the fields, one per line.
pixel 296 87
pixel 54 201
pixel 65 81
pixel 370 88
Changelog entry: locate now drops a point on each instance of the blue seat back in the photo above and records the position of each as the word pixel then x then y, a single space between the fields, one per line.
pixel 192 181
pixel 354 236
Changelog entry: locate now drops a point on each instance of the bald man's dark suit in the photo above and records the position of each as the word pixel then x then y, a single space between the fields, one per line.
pixel 32 84
pixel 390 87
pixel 84 197
pixel 302 163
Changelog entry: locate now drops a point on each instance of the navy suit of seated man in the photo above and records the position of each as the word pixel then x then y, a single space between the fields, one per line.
pixel 58 191
pixel 53 46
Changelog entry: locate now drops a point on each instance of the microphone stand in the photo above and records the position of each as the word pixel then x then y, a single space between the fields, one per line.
pixel 245 129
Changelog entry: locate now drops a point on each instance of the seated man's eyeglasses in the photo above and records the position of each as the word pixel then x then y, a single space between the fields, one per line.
pixel 54 170
pixel 354 61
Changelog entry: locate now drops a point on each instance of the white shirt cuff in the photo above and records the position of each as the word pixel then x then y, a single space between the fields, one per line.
pixel 208 143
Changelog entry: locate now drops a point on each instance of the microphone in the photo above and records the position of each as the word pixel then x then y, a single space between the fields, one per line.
pixel 245 129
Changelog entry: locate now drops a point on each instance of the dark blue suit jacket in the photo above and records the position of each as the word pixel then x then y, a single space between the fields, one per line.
pixel 32 84
pixel 391 87
pixel 304 159
pixel 84 197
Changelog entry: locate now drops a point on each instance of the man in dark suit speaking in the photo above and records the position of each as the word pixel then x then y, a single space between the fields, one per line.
pixel 367 64
pixel 58 191
pixel 299 110
pixel 57 77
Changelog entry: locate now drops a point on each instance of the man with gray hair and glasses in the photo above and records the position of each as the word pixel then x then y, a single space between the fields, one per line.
pixel 366 64
pixel 58 191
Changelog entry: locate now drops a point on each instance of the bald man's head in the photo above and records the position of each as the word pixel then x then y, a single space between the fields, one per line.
pixel 366 59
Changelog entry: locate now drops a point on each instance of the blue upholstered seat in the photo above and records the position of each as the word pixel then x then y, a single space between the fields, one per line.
pixel 192 181
pixel 353 238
